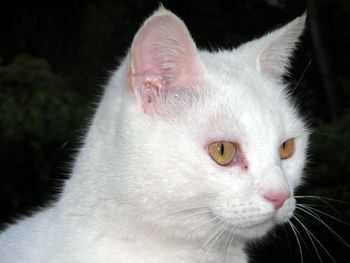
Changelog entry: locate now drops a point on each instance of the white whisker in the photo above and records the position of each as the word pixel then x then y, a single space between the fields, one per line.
pixel 321 198
pixel 319 242
pixel 187 209
pixel 297 238
pixel 220 230
pixel 310 237
pixel 214 230
pixel 226 243
pixel 196 214
pixel 233 235
pixel 188 234
pixel 315 216
pixel 308 207
pixel 199 227
pixel 325 200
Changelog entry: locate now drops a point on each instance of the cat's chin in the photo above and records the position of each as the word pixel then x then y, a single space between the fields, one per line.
pixel 259 230
pixel 255 231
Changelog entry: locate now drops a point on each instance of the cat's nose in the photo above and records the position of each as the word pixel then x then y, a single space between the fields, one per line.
pixel 277 198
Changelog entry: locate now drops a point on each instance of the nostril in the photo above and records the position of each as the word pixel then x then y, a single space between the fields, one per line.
pixel 277 198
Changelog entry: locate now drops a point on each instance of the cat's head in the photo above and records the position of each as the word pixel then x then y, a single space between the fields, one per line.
pixel 209 138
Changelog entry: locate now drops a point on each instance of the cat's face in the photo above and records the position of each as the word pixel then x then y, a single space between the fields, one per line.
pixel 236 132
pixel 215 140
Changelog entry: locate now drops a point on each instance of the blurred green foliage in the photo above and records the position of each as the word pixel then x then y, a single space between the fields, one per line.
pixel 34 103
pixel 38 117
pixel 329 168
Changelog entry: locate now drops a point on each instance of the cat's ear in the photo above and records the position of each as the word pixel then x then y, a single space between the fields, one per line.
pixel 163 59
pixel 274 50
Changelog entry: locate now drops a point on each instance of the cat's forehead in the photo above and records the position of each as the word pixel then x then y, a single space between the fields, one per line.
pixel 230 79
pixel 239 102
pixel 232 73
pixel 229 118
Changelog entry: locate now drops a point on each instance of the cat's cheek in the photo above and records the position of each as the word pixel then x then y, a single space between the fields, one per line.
pixel 286 212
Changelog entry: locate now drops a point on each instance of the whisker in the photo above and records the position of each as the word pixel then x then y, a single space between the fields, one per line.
pixel 321 198
pixel 187 209
pixel 325 200
pixel 199 227
pixel 210 207
pixel 310 237
pixel 288 239
pixel 214 230
pixel 188 234
pixel 221 230
pixel 227 244
pixel 312 214
pixel 233 235
pixel 296 236
pixel 198 213
pixel 319 242
pixel 191 212
pixel 306 206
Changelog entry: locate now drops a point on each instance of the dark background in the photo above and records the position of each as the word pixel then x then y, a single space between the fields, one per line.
pixel 56 55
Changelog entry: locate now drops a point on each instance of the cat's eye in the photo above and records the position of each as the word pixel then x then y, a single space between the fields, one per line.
pixel 287 149
pixel 222 152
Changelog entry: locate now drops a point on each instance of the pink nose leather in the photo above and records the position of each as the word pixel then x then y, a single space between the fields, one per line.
pixel 277 198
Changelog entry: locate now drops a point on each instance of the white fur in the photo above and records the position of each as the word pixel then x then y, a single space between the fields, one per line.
pixel 138 175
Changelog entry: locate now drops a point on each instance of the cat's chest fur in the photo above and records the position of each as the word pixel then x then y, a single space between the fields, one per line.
pixel 190 155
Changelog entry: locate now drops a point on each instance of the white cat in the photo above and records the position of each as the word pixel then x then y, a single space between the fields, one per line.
pixel 190 155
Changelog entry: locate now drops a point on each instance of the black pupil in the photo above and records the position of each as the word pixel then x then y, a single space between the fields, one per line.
pixel 222 149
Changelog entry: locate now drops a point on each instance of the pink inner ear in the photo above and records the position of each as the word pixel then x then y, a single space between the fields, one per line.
pixel 163 57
